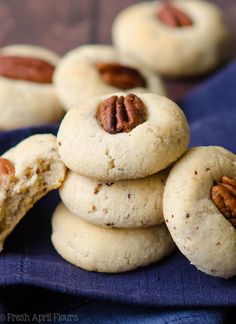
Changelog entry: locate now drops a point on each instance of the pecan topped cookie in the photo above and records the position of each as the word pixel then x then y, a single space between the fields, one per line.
pixel 177 38
pixel 93 70
pixel 123 136
pixel 200 209
pixel 27 96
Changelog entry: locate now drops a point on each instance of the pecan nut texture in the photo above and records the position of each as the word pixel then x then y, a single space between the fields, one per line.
pixel 6 169
pixel 121 114
pixel 172 16
pixel 223 194
pixel 120 76
pixel 26 68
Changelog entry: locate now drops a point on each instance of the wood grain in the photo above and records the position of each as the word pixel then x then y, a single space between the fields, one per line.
pixel 64 24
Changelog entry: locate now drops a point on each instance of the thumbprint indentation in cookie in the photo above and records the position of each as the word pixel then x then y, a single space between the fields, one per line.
pixel 121 114
pixel 121 76
pixel 173 17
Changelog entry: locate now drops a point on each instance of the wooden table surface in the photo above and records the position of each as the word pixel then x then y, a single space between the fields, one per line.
pixel 65 24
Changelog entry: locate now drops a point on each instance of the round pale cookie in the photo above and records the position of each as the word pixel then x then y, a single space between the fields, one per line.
pixel 107 249
pixel 125 203
pixel 87 149
pixel 27 173
pixel 173 50
pixel 198 227
pixel 26 103
pixel 77 78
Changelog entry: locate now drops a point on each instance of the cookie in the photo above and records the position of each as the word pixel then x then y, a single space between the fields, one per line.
pixel 125 203
pixel 27 96
pixel 178 38
pixel 100 249
pixel 199 209
pixel 94 70
pixel 27 172
pixel 148 133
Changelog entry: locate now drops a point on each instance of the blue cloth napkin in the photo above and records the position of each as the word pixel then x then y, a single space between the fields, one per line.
pixel 29 257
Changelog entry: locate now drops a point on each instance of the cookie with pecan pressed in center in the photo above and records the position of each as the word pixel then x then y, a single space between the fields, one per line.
pixel 27 95
pixel 123 136
pixel 94 70
pixel 176 38
pixel 199 207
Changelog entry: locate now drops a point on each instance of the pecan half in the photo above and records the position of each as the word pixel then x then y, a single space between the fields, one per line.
pixel 224 196
pixel 121 114
pixel 120 76
pixel 172 16
pixel 6 167
pixel 26 68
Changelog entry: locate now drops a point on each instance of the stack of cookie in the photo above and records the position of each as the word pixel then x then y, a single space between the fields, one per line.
pixel 118 149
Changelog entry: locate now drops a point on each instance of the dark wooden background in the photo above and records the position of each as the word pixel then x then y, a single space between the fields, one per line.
pixel 64 24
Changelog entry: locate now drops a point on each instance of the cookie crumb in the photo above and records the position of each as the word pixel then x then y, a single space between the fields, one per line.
pixel 97 189
pixel 187 215
pixel 195 172
pixel 172 216
pixel 167 221
pixel 174 227
pixel 208 169
pixel 59 143
pixel 218 243
pixel 129 195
